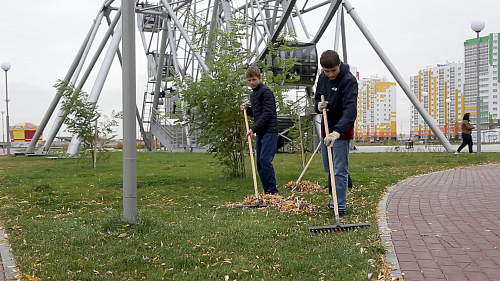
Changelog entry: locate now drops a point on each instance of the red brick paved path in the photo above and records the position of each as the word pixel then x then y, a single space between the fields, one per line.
pixel 446 225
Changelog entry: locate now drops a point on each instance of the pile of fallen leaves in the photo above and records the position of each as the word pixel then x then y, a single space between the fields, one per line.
pixel 290 204
pixel 304 186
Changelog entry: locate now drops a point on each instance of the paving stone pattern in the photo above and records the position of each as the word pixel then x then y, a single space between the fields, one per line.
pixel 446 225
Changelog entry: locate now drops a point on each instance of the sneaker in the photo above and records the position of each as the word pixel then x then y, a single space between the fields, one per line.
pixel 330 207
pixel 456 152
pixel 341 212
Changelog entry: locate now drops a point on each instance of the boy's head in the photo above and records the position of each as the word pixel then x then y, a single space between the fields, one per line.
pixel 253 76
pixel 330 62
pixel 253 71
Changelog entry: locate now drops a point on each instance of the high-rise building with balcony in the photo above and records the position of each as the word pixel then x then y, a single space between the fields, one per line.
pixel 376 119
pixel 440 90
pixel 489 80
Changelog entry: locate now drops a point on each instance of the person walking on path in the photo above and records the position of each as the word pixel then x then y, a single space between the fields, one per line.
pixel 340 89
pixel 263 110
pixel 466 134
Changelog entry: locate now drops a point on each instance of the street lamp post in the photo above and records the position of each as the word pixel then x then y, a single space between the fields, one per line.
pixel 477 26
pixel 3 131
pixel 447 121
pixel 6 67
pixel 425 94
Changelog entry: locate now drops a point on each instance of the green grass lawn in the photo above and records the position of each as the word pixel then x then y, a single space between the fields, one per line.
pixel 64 219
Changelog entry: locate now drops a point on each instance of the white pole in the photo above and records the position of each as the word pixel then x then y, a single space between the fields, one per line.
pixel 477 26
pixel 425 94
pixel 3 132
pixel 129 125
pixel 6 67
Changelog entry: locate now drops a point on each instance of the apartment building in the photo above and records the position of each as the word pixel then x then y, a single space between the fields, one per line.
pixel 489 80
pixel 440 90
pixel 376 109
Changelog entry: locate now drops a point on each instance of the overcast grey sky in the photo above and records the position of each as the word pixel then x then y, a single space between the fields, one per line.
pixel 41 38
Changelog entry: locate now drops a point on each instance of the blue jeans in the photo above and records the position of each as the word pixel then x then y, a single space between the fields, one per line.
pixel 265 147
pixel 340 151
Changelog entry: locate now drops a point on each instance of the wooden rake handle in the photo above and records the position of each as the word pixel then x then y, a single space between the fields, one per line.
pixel 330 165
pixel 250 147
pixel 305 168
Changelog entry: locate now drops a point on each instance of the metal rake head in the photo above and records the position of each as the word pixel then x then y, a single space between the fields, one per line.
pixel 336 228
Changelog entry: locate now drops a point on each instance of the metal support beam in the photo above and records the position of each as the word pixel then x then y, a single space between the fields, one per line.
pixel 99 82
pixel 57 98
pixel 184 34
pixel 428 119
pixel 63 114
pixel 159 73
pixel 129 137
pixel 334 5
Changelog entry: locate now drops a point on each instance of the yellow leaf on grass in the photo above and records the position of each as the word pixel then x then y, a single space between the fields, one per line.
pixel 31 278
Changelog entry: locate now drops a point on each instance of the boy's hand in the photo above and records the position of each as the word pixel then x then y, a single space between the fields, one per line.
pixel 322 105
pixel 331 138
pixel 243 106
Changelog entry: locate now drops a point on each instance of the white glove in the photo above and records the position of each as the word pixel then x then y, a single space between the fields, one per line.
pixel 322 105
pixel 331 138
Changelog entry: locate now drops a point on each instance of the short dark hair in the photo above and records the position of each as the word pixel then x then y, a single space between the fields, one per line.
pixel 329 59
pixel 253 71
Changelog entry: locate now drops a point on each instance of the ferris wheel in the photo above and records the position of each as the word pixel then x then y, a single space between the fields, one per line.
pixel 168 32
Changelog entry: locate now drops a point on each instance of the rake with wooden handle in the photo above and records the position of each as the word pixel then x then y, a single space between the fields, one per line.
pixel 252 161
pixel 337 226
pixel 305 168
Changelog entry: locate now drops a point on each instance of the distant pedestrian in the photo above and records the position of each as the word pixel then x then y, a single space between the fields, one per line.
pixel 466 134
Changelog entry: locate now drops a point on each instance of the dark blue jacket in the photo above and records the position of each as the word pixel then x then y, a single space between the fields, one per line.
pixel 342 97
pixel 263 110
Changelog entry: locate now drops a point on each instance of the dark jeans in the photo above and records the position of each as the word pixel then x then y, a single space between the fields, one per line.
pixel 466 140
pixel 266 146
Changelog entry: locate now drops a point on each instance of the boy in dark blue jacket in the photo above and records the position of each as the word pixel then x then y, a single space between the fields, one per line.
pixel 265 126
pixel 340 89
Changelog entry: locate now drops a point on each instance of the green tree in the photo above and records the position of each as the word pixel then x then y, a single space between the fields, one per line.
pixel 83 119
pixel 213 100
